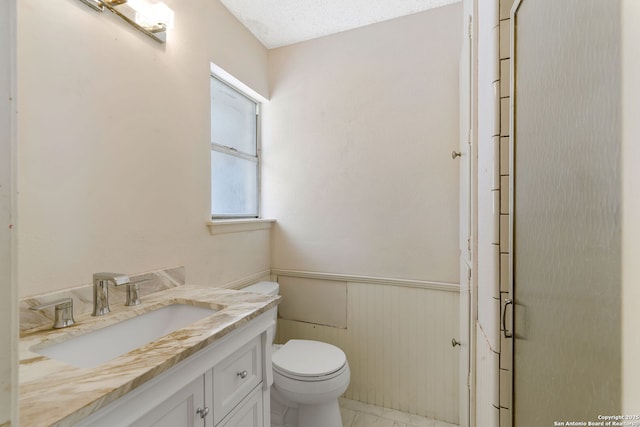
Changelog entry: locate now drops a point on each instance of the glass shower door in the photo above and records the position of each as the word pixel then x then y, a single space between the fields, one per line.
pixel 567 199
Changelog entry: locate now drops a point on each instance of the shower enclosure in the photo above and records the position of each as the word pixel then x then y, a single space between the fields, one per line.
pixel 566 229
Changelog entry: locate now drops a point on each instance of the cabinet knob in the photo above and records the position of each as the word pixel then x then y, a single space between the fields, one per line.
pixel 203 412
pixel 455 154
pixel 454 342
pixel 243 374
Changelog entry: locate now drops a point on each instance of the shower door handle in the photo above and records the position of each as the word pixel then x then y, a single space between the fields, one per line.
pixel 507 302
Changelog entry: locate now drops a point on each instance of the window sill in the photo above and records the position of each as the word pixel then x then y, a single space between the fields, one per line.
pixel 223 226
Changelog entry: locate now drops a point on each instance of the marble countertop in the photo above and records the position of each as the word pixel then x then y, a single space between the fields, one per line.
pixel 53 393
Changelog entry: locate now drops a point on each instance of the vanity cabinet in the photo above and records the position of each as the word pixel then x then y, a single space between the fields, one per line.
pixel 223 385
pixel 181 409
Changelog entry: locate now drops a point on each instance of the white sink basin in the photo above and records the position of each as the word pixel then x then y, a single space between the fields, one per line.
pixel 95 348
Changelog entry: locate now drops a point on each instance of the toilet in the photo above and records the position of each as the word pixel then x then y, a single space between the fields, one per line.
pixel 308 378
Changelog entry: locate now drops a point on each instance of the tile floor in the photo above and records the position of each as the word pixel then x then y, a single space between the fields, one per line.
pixel 358 414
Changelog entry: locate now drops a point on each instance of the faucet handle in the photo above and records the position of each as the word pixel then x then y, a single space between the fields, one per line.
pixel 63 312
pixel 116 278
pixel 133 292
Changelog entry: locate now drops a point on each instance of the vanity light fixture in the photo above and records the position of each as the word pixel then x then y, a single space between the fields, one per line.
pixel 153 19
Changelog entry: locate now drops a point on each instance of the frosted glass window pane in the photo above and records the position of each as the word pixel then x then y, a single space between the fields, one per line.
pixel 233 118
pixel 234 183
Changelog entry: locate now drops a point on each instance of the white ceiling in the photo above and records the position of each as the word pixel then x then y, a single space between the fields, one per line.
pixel 279 23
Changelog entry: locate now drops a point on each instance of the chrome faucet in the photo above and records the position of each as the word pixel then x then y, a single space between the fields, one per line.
pixel 101 290
pixel 63 312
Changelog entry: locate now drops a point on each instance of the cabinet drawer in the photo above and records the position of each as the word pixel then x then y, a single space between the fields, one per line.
pixel 235 377
pixel 248 414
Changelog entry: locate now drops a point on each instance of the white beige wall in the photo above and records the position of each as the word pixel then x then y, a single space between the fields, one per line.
pixel 631 207
pixel 114 144
pixel 8 293
pixel 357 150
pixel 358 173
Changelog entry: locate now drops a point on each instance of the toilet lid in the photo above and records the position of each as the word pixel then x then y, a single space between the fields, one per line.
pixel 308 358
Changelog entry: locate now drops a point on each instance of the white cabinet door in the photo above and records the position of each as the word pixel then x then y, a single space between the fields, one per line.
pixel 182 409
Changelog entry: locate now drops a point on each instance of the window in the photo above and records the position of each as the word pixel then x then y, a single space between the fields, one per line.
pixel 235 156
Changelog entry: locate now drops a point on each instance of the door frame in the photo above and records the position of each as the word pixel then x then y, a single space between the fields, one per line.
pixel 8 240
pixel 468 219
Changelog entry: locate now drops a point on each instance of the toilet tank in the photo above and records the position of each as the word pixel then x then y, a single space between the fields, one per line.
pixel 266 288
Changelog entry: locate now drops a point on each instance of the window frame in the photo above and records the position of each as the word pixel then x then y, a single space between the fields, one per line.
pixel 234 84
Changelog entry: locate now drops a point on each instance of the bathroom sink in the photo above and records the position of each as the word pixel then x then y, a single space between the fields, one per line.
pixel 97 347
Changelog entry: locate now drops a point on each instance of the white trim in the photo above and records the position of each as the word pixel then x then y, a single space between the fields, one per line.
pixel 227 78
pixel 407 283
pixel 248 280
pixel 224 226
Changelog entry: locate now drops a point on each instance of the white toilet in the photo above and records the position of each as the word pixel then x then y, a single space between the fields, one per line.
pixel 308 378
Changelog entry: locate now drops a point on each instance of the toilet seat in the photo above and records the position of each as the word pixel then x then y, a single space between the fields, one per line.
pixel 306 379
pixel 305 360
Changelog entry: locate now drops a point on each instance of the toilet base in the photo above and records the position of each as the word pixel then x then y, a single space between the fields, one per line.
pixel 322 415
pixel 325 415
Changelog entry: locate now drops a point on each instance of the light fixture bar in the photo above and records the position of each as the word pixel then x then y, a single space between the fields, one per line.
pixel 94 4
pixel 155 30
pixel 158 33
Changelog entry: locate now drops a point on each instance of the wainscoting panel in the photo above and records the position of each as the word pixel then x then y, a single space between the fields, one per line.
pixel 398 343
